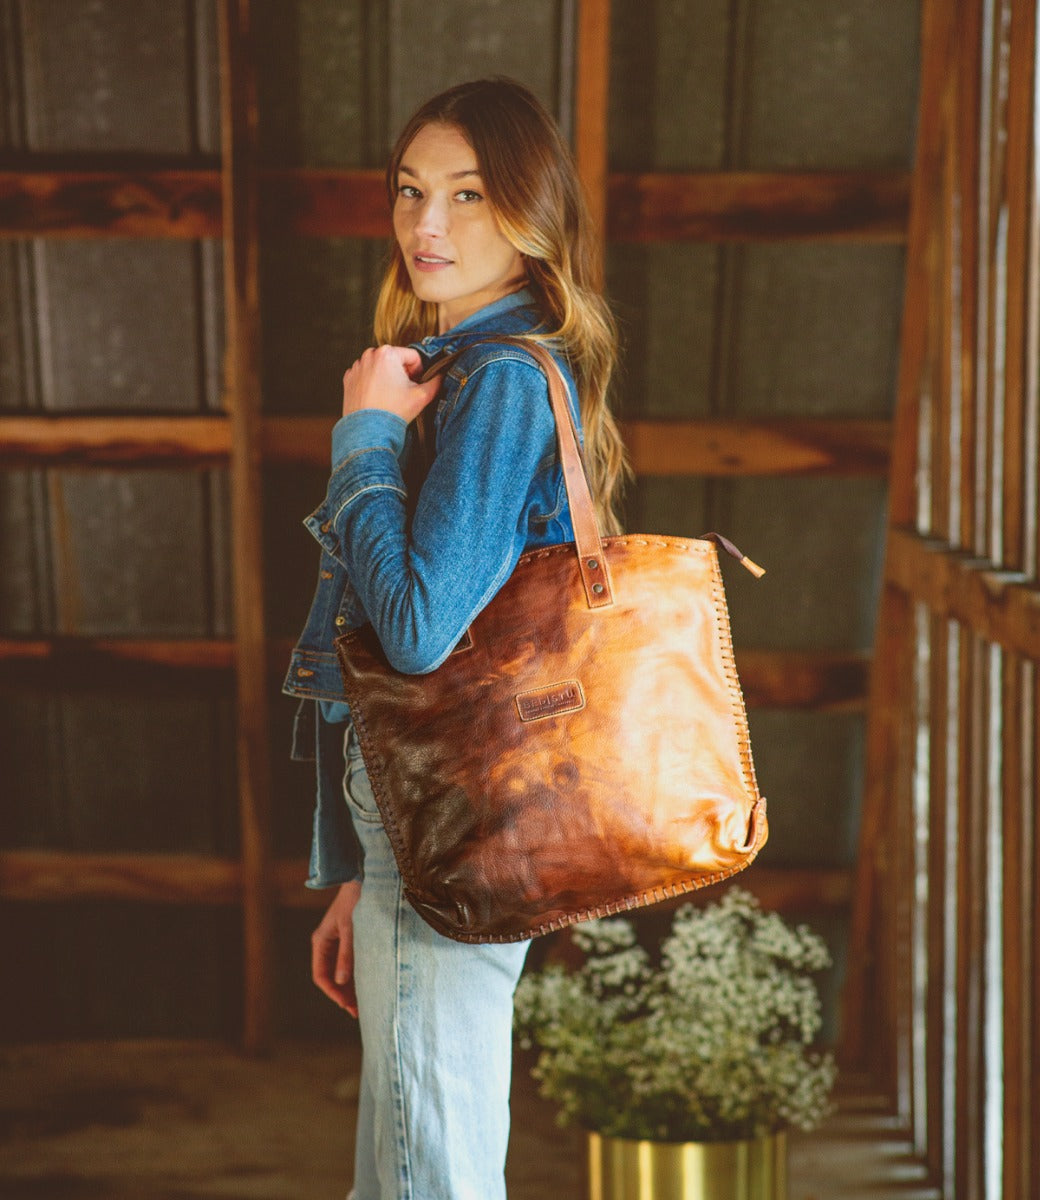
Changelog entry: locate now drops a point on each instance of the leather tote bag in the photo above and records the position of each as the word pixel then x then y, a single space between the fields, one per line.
pixel 583 750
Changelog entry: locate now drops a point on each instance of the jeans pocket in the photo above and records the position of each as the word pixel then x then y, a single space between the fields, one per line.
pixel 357 787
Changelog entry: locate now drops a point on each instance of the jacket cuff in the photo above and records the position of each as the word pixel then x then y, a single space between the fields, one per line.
pixel 367 429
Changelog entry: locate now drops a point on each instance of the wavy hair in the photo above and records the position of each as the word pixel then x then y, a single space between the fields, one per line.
pixel 536 197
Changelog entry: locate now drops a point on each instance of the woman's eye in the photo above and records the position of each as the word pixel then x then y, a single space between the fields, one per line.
pixel 468 197
pixel 408 192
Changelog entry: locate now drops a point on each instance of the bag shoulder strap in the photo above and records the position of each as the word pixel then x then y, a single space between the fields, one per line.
pixel 588 543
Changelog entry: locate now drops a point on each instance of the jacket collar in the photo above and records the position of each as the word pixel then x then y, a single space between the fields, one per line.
pixel 492 318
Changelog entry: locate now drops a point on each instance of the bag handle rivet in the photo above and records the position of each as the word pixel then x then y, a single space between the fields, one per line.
pixel 598 588
pixel 593 565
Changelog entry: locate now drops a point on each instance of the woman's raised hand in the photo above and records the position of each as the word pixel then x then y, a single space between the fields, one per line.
pixel 385 377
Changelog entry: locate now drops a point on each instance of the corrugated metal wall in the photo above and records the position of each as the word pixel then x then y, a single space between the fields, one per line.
pixel 133 761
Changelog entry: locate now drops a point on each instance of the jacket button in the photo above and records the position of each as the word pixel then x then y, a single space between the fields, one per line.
pixel 326 527
pixel 341 620
pixel 303 672
pixel 326 574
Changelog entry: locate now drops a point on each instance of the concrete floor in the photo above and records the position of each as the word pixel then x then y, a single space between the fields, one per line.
pixel 181 1120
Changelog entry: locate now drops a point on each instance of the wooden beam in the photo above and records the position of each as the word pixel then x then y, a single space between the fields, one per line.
pixel 712 206
pixel 768 446
pixel 1000 606
pixel 325 203
pixel 816 680
pixel 240 191
pixel 722 206
pixel 55 440
pixel 821 681
pixel 74 203
pixel 713 447
pixel 55 876
pixel 590 105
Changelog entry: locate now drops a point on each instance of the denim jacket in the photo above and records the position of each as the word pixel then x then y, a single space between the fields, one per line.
pixel 421 572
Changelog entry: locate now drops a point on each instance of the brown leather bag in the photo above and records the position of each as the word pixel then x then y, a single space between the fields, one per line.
pixel 583 750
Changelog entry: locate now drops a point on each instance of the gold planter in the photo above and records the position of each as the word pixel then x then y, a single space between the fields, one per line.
pixel 626 1170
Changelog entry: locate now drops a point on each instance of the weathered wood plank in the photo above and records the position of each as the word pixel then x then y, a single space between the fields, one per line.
pixel 714 206
pixel 590 105
pixel 105 203
pixel 240 192
pixel 51 440
pixel 58 876
pixel 816 680
pixel 774 446
pixel 719 206
pixel 1000 606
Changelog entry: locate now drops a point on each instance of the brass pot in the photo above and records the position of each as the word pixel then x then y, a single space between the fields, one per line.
pixel 626 1170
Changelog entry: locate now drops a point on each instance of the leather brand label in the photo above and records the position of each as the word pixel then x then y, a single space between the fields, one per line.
pixel 550 701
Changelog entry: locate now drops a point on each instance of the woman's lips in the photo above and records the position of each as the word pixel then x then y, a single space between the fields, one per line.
pixel 430 262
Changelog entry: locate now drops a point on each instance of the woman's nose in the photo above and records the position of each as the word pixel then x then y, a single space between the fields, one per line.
pixel 433 219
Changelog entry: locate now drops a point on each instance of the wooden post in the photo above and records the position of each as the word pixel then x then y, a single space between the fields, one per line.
pixel 590 106
pixel 242 309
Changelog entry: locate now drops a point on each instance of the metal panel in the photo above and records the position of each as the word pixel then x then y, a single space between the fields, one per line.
pixel 822 541
pixel 25 593
pixel 704 84
pixel 119 970
pixel 318 298
pixel 319 65
pixel 432 46
pixel 830 85
pixel 670 64
pixel 113 765
pixel 666 302
pixel 131 554
pixel 810 769
pixel 816 330
pixel 121 326
pixel 105 75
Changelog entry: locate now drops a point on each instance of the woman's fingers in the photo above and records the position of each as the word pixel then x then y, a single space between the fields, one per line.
pixel 384 377
pixel 332 949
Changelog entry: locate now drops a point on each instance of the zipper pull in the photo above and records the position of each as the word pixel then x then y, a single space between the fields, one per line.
pixel 730 549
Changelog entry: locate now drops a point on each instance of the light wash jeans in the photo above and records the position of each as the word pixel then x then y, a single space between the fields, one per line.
pixel 436 1035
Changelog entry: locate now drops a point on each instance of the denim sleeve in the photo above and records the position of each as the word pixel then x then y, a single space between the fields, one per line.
pixel 422 586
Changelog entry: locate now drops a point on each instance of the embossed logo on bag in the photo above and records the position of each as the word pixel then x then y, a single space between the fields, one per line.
pixel 550 701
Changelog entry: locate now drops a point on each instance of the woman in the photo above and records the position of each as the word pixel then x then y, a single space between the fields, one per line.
pixel 491 238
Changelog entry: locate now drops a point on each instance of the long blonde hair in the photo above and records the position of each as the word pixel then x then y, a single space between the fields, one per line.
pixel 534 192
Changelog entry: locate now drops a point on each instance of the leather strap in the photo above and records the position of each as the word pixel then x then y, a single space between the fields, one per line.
pixel 587 541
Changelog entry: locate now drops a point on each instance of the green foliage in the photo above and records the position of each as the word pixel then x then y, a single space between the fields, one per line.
pixel 713 1043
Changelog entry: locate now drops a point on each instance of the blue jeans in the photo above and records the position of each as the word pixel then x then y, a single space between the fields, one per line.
pixel 436 1035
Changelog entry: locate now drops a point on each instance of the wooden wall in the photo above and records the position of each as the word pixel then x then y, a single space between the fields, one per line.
pixel 181 286
pixel 944 998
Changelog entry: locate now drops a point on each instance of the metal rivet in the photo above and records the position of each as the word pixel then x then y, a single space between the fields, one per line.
pixel 341 620
pixel 326 527
pixel 303 672
pixel 593 565
pixel 598 589
pixel 326 574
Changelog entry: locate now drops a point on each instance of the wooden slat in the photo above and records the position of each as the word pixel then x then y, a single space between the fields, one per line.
pixel 129 202
pixel 240 152
pixel 821 681
pixel 713 206
pixel 133 441
pixel 816 680
pixel 717 206
pixel 1000 606
pixel 592 75
pixel 58 876
pixel 711 447
pixel 777 446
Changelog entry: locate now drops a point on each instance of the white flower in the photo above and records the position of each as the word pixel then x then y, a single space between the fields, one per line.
pixel 711 1044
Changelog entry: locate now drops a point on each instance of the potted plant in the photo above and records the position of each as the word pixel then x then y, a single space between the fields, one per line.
pixel 688 1065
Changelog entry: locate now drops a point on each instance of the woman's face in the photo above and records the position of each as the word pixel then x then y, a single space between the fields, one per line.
pixel 455 254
